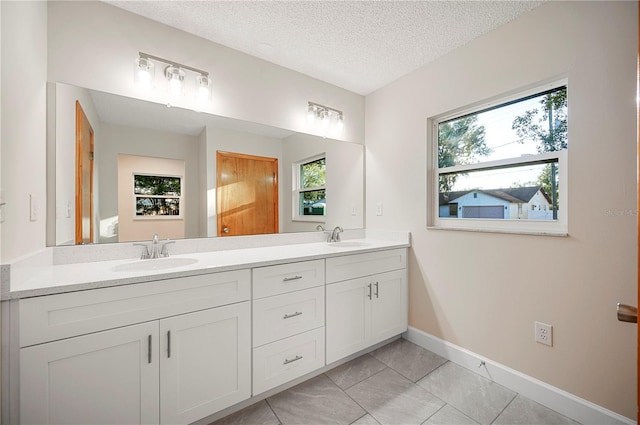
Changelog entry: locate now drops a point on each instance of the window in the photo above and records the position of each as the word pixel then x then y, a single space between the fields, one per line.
pixel 309 192
pixel 157 196
pixel 492 159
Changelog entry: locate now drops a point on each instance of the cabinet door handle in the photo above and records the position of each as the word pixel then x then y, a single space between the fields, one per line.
pixel 376 284
pixel 288 279
pixel 295 359
pixel 168 344
pixel 149 350
pixel 289 316
pixel 369 295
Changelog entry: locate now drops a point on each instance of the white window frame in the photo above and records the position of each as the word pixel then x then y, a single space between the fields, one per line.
pixel 297 190
pixel 557 227
pixel 158 217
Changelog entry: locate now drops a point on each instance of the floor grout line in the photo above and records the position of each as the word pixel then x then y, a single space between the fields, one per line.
pixel 505 408
pixel 273 411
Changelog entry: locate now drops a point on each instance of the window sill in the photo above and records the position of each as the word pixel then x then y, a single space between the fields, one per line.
pixel 311 219
pixel 560 232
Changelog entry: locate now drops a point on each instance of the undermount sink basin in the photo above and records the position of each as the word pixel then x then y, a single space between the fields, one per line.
pixel 154 264
pixel 349 244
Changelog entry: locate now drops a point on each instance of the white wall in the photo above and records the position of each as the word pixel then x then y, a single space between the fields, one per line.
pixel 481 306
pixel 23 105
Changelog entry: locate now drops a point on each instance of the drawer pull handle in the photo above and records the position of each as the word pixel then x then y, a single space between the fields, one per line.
pixel 289 316
pixel 295 359
pixel 168 344
pixel 369 294
pixel 377 289
pixel 288 279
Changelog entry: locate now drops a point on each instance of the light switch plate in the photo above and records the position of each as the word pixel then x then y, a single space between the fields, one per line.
pixel 33 208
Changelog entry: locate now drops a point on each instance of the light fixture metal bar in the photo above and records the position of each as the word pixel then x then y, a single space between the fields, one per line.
pixel 173 63
pixel 325 107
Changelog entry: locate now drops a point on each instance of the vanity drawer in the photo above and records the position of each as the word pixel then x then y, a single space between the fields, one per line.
pixel 357 265
pixel 54 317
pixel 287 359
pixel 285 315
pixel 280 279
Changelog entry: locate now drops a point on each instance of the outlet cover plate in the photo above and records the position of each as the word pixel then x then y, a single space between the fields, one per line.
pixel 544 333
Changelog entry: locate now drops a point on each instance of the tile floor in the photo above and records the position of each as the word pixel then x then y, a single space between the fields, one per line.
pixel 398 384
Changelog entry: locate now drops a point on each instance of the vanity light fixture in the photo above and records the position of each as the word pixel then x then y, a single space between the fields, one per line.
pixel 175 74
pixel 324 115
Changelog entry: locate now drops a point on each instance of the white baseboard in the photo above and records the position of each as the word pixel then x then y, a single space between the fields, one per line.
pixel 554 398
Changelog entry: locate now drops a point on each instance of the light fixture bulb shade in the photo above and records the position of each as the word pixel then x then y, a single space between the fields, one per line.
pixel 203 89
pixel 144 73
pixel 175 78
pixel 340 123
pixel 311 114
pixel 325 118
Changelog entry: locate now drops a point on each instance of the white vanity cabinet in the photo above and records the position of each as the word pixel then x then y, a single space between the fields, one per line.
pixel 366 298
pixel 288 322
pixel 108 377
pixel 170 351
pixel 177 350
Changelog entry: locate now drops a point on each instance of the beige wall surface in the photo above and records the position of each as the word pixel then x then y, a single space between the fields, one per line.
pixel 484 291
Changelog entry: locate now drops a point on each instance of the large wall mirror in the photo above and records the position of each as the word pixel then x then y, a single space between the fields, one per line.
pixel 123 169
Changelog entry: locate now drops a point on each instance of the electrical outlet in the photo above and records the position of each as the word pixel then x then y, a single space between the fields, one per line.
pixel 544 333
pixel 379 209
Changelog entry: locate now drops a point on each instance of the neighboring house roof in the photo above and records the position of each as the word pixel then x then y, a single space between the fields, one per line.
pixel 510 194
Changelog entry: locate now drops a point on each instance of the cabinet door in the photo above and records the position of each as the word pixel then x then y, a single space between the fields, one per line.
pixel 348 317
pixel 389 305
pixel 109 377
pixel 205 360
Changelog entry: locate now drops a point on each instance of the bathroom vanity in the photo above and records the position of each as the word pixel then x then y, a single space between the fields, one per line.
pixel 136 342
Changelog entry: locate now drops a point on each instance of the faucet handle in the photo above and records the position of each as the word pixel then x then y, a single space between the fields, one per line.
pixel 164 252
pixel 145 251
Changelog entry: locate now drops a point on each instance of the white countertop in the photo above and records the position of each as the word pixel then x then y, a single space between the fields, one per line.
pixel 55 279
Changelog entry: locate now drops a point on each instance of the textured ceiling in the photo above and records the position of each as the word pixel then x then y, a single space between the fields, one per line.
pixel 357 45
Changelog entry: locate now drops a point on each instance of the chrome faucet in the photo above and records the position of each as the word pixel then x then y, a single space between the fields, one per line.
pixel 335 235
pixel 158 249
